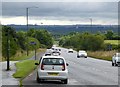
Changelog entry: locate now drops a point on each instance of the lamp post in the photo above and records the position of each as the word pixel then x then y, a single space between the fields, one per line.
pixel 27 11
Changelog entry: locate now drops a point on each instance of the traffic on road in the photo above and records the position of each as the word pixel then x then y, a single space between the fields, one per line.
pixel 66 68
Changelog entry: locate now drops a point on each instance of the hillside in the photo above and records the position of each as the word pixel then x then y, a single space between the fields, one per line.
pixel 65 29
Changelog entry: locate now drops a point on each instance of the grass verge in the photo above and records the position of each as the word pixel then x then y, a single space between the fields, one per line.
pixel 104 55
pixel 24 68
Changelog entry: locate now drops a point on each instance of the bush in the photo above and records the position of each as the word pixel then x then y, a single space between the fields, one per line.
pixel 83 41
pixel 8 32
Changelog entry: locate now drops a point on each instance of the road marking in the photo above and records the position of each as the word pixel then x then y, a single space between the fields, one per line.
pixel 72 81
pixel 30 75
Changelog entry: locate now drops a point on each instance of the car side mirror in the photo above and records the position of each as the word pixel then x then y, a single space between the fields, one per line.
pixel 36 63
pixel 67 64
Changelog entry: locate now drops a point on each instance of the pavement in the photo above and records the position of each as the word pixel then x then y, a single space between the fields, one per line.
pixel 7 78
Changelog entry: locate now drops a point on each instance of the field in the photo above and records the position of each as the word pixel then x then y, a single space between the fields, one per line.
pixel 115 42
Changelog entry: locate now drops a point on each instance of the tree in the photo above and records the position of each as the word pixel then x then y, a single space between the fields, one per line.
pixel 44 37
pixel 21 39
pixel 85 41
pixel 109 35
pixel 12 41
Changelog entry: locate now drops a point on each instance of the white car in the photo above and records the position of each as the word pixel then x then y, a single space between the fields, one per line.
pixel 82 54
pixel 116 59
pixel 52 68
pixel 56 53
pixel 70 50
pixel 47 54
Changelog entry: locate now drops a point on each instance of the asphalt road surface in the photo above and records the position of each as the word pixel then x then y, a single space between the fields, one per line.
pixel 82 71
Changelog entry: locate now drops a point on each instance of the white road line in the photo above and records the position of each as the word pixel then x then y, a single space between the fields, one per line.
pixel 72 82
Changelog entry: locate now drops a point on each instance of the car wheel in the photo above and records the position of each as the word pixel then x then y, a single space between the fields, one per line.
pixel 86 57
pixel 65 81
pixel 118 64
pixel 115 63
pixel 38 79
pixel 78 57
pixel 112 64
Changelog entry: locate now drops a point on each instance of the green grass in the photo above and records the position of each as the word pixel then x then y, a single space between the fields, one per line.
pixel 24 68
pixel 104 55
pixel 115 42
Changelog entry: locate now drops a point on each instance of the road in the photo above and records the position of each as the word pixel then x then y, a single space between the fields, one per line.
pixel 82 71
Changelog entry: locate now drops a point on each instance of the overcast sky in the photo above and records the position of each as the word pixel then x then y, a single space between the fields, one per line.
pixel 60 13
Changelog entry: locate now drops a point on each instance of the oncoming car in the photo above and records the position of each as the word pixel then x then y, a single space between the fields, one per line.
pixel 52 68
pixel 116 59
pixel 56 53
pixel 70 50
pixel 82 53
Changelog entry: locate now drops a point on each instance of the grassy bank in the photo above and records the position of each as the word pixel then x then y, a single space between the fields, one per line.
pixel 24 68
pixel 105 55
pixel 22 55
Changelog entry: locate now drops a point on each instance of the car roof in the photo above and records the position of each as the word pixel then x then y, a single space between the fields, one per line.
pixel 70 49
pixel 82 51
pixel 52 57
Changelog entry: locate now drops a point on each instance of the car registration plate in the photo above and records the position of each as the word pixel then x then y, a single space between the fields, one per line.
pixel 53 74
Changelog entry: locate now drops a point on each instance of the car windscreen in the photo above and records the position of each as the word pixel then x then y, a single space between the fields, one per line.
pixel 53 61
pixel 55 52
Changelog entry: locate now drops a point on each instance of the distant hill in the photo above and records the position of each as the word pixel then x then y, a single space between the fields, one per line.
pixel 65 29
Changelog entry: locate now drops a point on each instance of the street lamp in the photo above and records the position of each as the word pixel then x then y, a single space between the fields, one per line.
pixel 27 10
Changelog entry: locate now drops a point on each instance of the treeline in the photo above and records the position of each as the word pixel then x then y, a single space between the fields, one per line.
pixel 21 41
pixel 87 41
pixel 110 35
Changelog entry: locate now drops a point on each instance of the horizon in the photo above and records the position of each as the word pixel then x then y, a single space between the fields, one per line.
pixel 63 25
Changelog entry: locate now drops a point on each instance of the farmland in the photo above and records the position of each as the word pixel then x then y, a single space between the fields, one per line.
pixel 115 42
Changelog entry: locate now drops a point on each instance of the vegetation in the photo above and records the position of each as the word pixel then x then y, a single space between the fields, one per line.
pixel 105 55
pixel 99 45
pixel 90 42
pixel 114 42
pixel 84 41
pixel 24 68
pixel 19 42
pixel 110 35
pixel 43 36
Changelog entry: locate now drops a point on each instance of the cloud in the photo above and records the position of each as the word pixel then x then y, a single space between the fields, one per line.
pixel 60 0
pixel 65 11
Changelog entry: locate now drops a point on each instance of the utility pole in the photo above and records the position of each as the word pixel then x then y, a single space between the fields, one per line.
pixel 8 50
pixel 27 29
pixel 27 11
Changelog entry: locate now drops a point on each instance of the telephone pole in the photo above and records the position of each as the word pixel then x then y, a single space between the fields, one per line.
pixel 27 11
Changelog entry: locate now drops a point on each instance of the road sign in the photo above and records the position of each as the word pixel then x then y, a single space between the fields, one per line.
pixel 109 47
pixel 33 43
